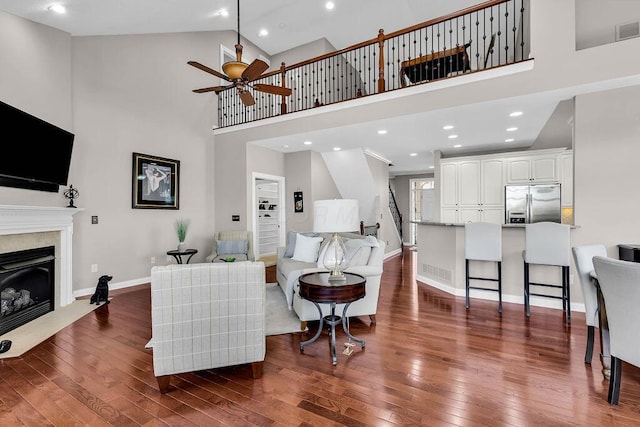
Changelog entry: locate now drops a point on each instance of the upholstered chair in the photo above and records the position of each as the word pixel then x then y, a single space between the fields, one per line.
pixel 620 285
pixel 236 244
pixel 206 316
pixel 583 258
pixel 483 242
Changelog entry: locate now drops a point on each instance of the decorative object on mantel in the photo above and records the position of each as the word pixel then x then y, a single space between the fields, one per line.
pixel 71 194
pixel 182 225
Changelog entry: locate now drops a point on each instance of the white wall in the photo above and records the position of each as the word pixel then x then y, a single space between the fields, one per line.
pixel 596 20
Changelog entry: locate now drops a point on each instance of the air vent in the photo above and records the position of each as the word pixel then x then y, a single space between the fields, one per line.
pixel 627 31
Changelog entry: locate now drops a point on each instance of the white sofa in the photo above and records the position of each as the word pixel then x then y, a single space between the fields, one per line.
pixel 206 316
pixel 368 262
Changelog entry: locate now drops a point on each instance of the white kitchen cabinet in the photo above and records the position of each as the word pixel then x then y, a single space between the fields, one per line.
pixel 468 185
pixel 449 184
pixel 449 215
pixel 533 169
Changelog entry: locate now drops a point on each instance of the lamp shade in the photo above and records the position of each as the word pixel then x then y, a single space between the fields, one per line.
pixel 336 216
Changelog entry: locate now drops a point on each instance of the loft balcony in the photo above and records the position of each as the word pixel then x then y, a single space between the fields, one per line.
pixel 490 35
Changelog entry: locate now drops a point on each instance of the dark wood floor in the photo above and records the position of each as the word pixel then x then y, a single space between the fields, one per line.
pixel 428 361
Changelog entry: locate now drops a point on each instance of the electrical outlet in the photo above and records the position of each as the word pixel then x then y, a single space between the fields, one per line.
pixel 153 260
pixel 94 219
pixel 94 268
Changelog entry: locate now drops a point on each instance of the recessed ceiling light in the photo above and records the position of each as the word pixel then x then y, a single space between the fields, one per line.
pixel 457 146
pixel 447 127
pixel 515 114
pixel 263 33
pixel 336 148
pixel 222 12
pixel 513 129
pixel 329 5
pixel 57 8
pixel 382 132
pixel 308 143
pixel 431 167
pixel 453 136
pixel 285 146
pixel 509 140
pixel 413 154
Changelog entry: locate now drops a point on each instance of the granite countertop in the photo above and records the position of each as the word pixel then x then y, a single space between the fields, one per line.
pixel 450 224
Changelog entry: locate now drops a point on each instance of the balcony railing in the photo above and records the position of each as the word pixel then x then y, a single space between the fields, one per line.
pixel 489 35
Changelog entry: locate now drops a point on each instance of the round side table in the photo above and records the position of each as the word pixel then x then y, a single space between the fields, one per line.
pixel 179 254
pixel 316 288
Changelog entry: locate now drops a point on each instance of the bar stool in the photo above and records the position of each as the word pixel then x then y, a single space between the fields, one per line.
pixel 483 242
pixel 548 243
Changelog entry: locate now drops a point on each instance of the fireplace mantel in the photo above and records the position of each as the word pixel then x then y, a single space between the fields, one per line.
pixel 37 219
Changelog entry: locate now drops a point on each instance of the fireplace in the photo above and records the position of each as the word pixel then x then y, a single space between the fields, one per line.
pixel 27 286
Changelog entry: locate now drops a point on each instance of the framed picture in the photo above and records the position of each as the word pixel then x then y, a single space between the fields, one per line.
pixel 156 182
pixel 297 201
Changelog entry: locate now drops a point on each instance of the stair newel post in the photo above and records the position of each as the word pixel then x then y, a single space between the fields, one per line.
pixel 381 84
pixel 283 74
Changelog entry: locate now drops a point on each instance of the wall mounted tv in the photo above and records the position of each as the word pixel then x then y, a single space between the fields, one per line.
pixel 36 154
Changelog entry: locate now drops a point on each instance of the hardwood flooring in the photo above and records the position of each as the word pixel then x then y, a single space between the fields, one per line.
pixel 427 361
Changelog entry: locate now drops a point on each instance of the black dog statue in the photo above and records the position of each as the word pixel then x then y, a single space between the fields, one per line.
pixel 102 290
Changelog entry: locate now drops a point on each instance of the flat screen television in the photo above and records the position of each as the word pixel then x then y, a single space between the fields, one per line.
pixel 36 154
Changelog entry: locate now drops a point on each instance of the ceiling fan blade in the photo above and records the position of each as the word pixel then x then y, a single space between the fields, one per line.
pixel 246 98
pixel 255 69
pixel 216 89
pixel 276 90
pixel 208 70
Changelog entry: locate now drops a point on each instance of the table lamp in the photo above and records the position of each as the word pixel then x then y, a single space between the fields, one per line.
pixel 336 216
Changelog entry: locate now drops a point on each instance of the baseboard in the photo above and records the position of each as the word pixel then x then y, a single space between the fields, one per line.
pixel 112 286
pixel 493 296
pixel 392 253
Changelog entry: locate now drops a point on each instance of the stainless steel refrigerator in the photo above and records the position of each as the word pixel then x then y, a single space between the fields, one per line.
pixel 526 204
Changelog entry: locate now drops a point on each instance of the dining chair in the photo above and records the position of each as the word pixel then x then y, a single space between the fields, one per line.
pixel 620 285
pixel 483 242
pixel 583 258
pixel 548 244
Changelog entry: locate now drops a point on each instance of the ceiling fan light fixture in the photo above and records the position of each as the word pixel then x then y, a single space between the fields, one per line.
pixel 234 69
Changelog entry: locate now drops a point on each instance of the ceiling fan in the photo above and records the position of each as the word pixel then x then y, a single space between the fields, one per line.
pixel 241 75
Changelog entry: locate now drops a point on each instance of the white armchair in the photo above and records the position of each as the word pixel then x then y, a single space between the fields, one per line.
pixel 206 316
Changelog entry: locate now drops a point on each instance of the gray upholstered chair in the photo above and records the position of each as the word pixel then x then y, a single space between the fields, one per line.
pixel 583 257
pixel 620 285
pixel 549 244
pixel 236 244
pixel 483 242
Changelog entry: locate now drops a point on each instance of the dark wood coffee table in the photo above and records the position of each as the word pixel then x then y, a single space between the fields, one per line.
pixel 316 288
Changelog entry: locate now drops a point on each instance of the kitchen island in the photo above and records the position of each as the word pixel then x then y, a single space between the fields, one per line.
pixel 441 264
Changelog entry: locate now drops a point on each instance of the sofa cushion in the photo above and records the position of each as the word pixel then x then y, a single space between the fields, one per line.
pixel 291 242
pixel 229 247
pixel 306 248
pixel 361 257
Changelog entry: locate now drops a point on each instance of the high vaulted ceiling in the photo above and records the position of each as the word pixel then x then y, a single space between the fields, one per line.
pixel 292 23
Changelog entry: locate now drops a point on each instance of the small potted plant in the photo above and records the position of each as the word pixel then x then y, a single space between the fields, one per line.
pixel 182 225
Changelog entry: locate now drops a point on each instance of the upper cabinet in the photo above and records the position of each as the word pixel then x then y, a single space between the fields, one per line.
pixel 533 169
pixel 472 188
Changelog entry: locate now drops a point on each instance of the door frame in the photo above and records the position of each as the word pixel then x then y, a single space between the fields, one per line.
pixel 255 176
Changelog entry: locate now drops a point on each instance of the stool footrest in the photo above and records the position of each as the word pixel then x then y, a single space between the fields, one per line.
pixel 484 289
pixel 484 278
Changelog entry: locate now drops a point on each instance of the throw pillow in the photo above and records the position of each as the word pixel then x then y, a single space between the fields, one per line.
pixel 228 247
pixel 291 244
pixel 306 248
